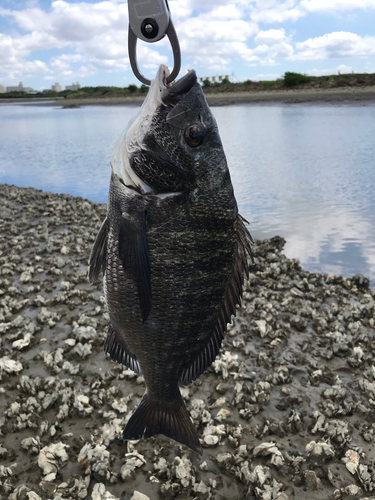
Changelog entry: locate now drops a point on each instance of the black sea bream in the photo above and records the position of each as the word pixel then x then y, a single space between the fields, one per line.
pixel 173 250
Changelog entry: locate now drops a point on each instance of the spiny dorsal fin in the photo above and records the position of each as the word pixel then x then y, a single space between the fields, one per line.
pixel 232 297
pixel 119 353
pixel 98 255
pixel 133 252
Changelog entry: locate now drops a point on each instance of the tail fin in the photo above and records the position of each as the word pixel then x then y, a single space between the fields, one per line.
pixel 150 418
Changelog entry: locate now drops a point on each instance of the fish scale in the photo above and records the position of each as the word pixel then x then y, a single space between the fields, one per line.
pixel 173 262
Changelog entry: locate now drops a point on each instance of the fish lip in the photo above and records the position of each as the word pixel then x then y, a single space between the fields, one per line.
pixel 167 93
pixel 180 88
pixel 161 77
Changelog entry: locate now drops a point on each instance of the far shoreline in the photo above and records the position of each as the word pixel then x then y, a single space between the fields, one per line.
pixel 364 96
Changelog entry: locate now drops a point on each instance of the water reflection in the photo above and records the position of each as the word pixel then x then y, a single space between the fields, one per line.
pixel 305 172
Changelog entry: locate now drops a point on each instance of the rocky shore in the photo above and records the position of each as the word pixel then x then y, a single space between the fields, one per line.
pixel 285 412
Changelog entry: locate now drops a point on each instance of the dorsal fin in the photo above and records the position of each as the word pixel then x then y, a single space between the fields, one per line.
pixel 232 297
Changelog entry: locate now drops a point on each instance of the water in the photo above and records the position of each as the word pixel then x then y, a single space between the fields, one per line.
pixel 304 172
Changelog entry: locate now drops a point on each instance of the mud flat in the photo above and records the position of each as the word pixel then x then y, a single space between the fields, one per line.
pixel 357 95
pixel 287 410
pixel 363 96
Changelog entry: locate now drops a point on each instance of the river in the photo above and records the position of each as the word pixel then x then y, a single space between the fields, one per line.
pixel 302 171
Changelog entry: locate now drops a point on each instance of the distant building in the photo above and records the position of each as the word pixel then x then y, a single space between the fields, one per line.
pixel 57 87
pixel 74 86
pixel 2 89
pixel 213 78
pixel 20 88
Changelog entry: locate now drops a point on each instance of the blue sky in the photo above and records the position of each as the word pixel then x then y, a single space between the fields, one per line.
pixel 42 42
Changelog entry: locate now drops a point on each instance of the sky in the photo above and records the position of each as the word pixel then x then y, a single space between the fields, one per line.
pixel 43 41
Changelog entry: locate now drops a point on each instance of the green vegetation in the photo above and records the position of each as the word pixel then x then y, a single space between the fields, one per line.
pixel 292 79
pixel 295 80
pixel 270 83
pixel 83 92
pixel 15 95
pixel 106 91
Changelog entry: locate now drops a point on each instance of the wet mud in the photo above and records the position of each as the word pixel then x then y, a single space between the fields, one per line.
pixel 286 411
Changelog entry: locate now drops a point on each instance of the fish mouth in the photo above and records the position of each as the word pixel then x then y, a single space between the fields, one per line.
pixel 160 79
pixel 170 94
pixel 157 88
pixel 176 92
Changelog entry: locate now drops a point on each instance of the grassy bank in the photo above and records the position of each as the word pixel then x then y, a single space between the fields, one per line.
pixel 294 81
pixel 289 81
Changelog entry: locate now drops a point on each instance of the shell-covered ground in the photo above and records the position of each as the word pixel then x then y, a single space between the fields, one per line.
pixel 287 410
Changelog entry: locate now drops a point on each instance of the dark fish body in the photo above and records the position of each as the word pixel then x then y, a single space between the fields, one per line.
pixel 173 250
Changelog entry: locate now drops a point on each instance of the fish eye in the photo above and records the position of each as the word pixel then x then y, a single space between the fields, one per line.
pixel 194 135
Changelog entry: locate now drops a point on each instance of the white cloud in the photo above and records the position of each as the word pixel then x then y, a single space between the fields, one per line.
pixel 270 37
pixel 342 69
pixel 72 22
pixel 12 63
pixel 336 5
pixel 180 9
pixel 215 37
pixel 243 51
pixel 63 62
pixel 97 32
pixel 265 76
pixel 337 44
pixel 273 11
pixel 226 12
pixel 274 45
pixel 214 43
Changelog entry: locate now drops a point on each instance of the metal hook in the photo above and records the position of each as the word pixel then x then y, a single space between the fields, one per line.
pixel 151 21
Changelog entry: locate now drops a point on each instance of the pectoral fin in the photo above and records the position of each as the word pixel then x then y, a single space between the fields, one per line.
pixel 98 255
pixel 133 251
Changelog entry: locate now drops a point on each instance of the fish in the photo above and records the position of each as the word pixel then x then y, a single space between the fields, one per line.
pixel 173 251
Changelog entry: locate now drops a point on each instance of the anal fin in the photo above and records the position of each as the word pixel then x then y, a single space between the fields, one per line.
pixel 118 352
pixel 203 360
